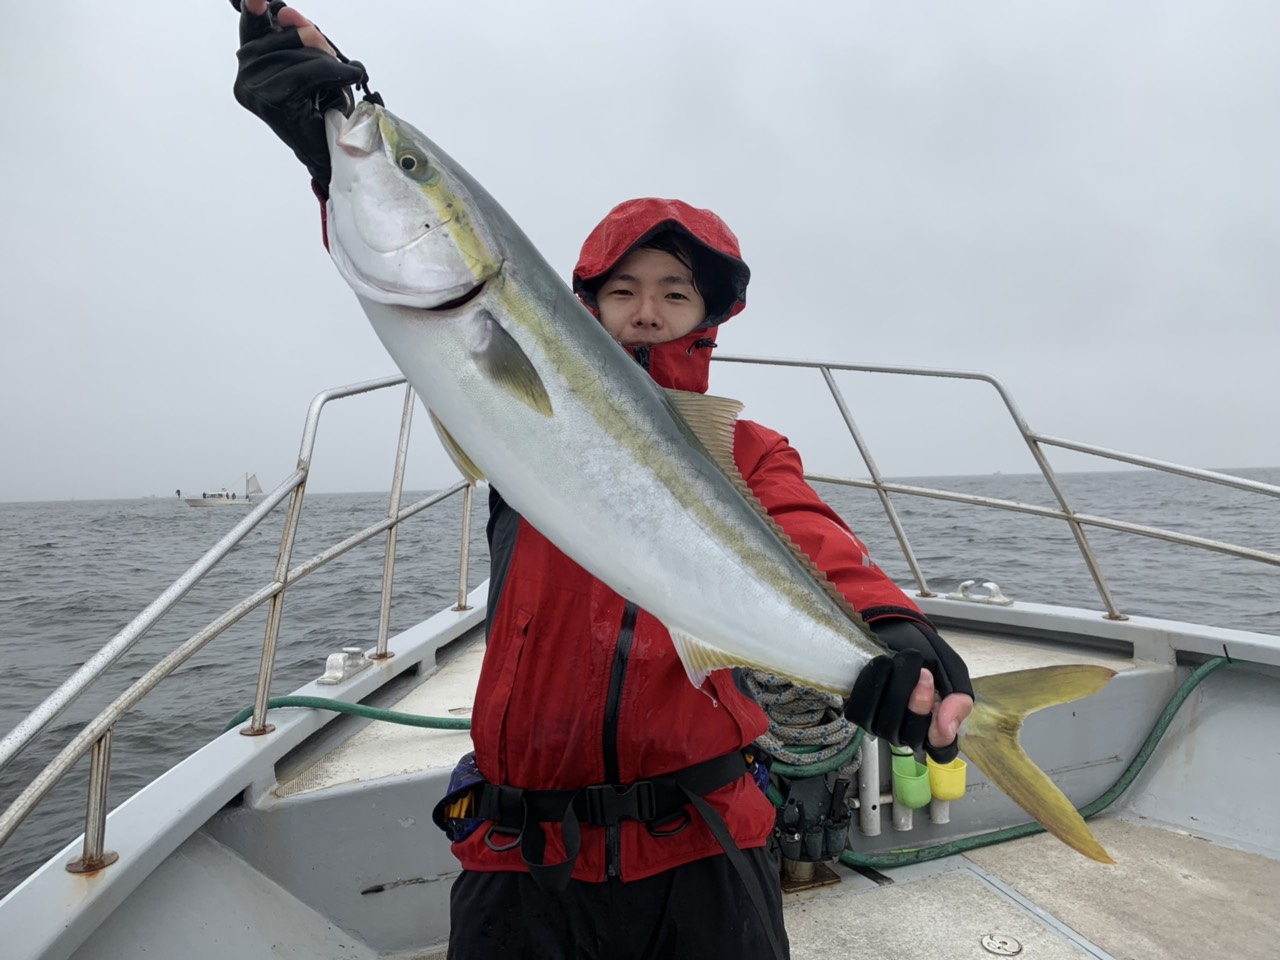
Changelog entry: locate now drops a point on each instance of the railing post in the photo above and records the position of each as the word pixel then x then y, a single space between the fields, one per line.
pixel 466 549
pixel 258 724
pixel 93 856
pixel 1074 525
pixel 393 513
pixel 885 503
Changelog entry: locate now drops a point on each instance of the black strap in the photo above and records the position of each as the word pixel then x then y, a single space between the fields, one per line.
pixel 519 814
pixel 749 880
pixel 604 805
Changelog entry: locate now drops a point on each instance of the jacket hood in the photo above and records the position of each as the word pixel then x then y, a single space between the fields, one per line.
pixel 721 275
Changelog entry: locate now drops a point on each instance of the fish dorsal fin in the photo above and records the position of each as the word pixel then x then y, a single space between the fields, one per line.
pixel 464 463
pixel 712 420
pixel 501 358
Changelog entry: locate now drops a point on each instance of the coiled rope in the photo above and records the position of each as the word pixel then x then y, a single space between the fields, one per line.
pixel 806 726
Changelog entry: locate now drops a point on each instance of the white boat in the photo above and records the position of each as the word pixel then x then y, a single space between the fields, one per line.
pixel 226 498
pixel 305 832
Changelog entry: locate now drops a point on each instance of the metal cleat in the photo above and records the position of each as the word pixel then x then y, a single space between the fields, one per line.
pixel 993 595
pixel 344 665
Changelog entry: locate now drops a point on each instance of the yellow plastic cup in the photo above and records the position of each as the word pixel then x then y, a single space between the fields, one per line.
pixel 946 780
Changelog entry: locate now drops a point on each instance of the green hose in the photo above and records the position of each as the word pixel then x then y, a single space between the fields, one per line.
pixel 356 710
pixel 898 858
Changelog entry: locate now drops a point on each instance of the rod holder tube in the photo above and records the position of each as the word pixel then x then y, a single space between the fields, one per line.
pixel 940 811
pixel 869 788
pixel 902 818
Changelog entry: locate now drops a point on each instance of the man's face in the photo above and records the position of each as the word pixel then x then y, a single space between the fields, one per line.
pixel 650 298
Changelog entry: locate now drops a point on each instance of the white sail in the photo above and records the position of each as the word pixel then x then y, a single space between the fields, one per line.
pixel 251 486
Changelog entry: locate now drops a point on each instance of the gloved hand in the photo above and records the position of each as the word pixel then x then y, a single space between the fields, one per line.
pixel 290 86
pixel 882 692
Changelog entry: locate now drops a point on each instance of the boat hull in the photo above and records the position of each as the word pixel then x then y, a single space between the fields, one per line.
pixel 190 859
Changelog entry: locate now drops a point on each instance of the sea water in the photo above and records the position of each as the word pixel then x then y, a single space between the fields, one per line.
pixel 72 574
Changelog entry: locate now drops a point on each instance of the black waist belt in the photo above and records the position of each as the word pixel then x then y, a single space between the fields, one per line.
pixel 521 813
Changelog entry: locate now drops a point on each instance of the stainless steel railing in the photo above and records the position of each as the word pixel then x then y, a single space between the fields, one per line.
pixel 95 738
pixel 1036 442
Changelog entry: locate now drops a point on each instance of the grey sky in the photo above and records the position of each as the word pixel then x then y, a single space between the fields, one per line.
pixel 1079 198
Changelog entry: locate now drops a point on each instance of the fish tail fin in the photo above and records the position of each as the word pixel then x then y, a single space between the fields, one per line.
pixel 990 739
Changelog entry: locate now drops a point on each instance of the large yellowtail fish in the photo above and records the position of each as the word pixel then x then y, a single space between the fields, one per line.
pixel 635 483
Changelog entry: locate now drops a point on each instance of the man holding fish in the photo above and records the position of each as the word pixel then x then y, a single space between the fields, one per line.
pixel 612 807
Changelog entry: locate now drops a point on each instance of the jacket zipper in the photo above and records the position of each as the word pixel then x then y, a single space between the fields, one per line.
pixel 617 676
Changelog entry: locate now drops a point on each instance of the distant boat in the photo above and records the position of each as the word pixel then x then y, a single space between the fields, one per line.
pixel 225 498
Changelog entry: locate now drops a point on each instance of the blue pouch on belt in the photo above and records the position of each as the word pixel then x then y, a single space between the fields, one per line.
pixel 455 813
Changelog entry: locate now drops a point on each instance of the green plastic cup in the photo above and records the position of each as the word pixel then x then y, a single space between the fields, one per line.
pixel 910 781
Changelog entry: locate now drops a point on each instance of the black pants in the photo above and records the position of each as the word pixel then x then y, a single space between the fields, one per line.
pixel 700 910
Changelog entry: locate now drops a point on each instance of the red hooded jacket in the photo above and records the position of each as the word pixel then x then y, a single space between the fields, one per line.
pixel 578 686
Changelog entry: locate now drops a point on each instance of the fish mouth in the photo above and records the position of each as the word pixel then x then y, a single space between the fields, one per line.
pixel 462 300
pixel 435 301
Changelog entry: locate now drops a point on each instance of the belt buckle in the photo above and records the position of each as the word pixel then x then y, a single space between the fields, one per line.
pixel 645 801
pixel 607 803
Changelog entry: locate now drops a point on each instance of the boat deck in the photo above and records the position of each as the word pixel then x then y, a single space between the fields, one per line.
pixel 1169 895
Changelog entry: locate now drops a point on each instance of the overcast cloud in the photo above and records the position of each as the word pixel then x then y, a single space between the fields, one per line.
pixel 1079 198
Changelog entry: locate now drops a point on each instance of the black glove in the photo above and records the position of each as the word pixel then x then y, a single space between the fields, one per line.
pixel 290 86
pixel 882 690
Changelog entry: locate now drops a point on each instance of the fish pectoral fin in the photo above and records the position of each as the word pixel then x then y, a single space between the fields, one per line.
pixel 466 466
pixel 990 740
pixel 501 359
pixel 711 419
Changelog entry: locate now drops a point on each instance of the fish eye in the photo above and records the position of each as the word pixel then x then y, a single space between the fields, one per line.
pixel 414 163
